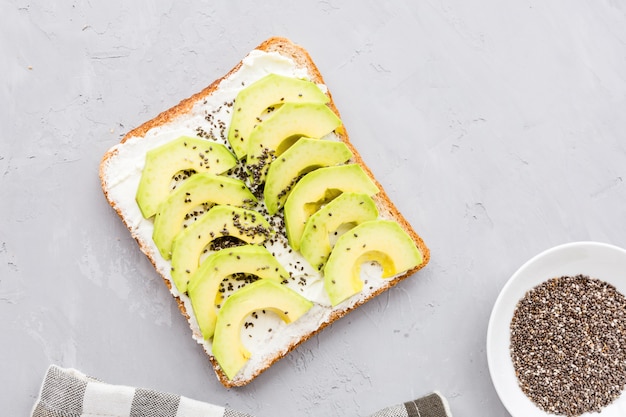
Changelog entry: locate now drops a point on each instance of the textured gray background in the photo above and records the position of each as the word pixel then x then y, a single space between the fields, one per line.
pixel 499 131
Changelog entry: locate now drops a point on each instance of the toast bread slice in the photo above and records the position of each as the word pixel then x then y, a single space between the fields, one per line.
pixel 113 161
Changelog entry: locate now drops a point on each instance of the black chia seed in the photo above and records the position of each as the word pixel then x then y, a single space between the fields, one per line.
pixel 568 345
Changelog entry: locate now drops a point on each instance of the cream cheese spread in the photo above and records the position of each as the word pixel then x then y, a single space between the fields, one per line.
pixel 210 118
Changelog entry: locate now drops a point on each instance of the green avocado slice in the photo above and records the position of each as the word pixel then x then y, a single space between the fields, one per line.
pixel 220 221
pixel 303 156
pixel 281 129
pixel 382 241
pixel 204 285
pixel 318 188
pixel 263 294
pixel 182 154
pixel 199 189
pixel 347 209
pixel 271 90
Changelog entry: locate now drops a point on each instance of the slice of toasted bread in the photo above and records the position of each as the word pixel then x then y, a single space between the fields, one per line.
pixel 202 114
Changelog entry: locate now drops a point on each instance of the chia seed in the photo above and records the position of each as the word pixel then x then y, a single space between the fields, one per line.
pixel 568 345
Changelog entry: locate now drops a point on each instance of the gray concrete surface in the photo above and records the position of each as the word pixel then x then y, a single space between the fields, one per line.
pixel 498 129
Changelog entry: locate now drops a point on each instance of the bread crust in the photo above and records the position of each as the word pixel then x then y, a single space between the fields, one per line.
pixel 302 59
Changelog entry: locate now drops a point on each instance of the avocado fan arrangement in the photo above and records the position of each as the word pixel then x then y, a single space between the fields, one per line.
pixel 279 166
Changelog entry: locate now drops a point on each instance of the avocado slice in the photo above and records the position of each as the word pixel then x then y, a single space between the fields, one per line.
pixel 349 208
pixel 228 348
pixel 221 220
pixel 303 156
pixel 281 129
pixel 182 154
pixel 271 90
pixel 199 189
pixel 204 285
pixel 318 188
pixel 382 241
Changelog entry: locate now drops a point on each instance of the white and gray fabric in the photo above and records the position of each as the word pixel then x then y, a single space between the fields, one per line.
pixel 432 405
pixel 70 393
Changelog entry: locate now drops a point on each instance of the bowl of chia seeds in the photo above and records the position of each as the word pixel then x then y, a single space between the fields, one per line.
pixel 556 340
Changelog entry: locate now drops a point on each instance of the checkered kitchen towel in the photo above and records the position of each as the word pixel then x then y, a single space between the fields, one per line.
pixel 70 393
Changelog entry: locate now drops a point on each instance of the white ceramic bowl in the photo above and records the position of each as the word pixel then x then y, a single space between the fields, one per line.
pixel 597 260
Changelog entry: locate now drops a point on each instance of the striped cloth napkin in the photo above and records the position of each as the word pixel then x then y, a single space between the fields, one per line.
pixel 70 393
